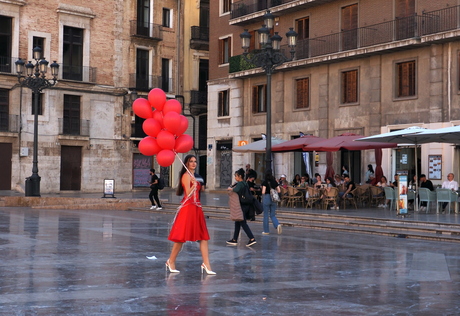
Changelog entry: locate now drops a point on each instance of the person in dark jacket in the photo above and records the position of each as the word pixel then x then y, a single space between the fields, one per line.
pixel 248 211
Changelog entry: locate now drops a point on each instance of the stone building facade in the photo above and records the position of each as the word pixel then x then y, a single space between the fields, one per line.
pixel 364 67
pixel 108 51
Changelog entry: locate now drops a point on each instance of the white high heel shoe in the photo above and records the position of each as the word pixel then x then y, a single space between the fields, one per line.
pixel 168 267
pixel 205 268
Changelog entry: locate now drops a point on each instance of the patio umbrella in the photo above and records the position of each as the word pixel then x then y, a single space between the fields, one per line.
pixel 257 146
pixel 402 136
pixel 296 144
pixel 449 134
pixel 346 141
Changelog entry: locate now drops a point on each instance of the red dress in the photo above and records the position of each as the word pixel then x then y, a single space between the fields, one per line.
pixel 189 224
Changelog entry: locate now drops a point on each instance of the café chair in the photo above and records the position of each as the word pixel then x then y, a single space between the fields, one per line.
pixel 313 196
pixel 377 196
pixel 425 195
pixel 446 196
pixel 294 196
pixel 390 194
pixel 351 199
pixel 362 194
pixel 330 198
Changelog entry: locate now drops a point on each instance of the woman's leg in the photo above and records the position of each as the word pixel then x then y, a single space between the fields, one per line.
pixel 236 233
pixel 205 253
pixel 177 246
pixel 266 204
pixel 246 229
pixel 273 215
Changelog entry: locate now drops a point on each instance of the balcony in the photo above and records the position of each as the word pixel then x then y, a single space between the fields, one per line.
pixel 7 64
pixel 73 127
pixel 77 73
pixel 391 32
pixel 147 83
pixel 9 123
pixel 198 102
pixel 199 38
pixel 146 30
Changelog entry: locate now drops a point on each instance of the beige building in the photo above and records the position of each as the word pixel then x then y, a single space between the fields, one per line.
pixel 108 51
pixel 365 67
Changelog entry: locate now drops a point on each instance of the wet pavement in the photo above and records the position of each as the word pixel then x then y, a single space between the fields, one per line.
pixel 93 262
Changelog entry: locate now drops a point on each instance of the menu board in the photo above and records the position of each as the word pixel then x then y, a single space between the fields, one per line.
pixel 435 167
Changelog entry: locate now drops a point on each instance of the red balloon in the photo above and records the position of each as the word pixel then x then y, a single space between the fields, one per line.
pixel 166 140
pixel 157 98
pixel 183 125
pixel 148 146
pixel 171 122
pixel 165 158
pixel 151 127
pixel 172 106
pixel 158 115
pixel 142 108
pixel 183 143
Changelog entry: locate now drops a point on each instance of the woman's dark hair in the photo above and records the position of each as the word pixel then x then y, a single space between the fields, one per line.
pixel 180 188
pixel 383 177
pixel 371 169
pixel 331 181
pixel 269 175
pixel 240 172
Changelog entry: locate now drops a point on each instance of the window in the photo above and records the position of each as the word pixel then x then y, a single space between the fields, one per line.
pixel 143 17
pixel 406 80
pixel 349 86
pixel 71 119
pixel 226 5
pixel 166 74
pixel 203 132
pixel 166 17
pixel 223 103
pixel 225 50
pixel 73 53
pixel 4 110
pixel 303 28
pixel 142 69
pixel 303 93
pixel 40 103
pixel 5 43
pixel 39 42
pixel 259 99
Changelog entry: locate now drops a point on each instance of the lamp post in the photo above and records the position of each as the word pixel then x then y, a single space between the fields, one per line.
pixel 35 79
pixel 268 58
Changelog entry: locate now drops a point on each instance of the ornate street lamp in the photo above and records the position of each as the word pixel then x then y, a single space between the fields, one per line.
pixel 268 58
pixel 34 78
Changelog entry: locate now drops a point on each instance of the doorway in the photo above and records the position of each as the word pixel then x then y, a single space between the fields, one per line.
pixel 70 168
pixel 352 159
pixel 5 161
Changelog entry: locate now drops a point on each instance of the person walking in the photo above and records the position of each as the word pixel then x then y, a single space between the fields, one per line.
pixel 154 191
pixel 238 187
pixel 189 223
pixel 269 205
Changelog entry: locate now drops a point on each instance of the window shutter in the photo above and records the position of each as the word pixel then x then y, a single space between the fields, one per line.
pixel 255 99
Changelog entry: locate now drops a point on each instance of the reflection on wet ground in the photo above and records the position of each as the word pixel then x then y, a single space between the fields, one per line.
pixel 65 262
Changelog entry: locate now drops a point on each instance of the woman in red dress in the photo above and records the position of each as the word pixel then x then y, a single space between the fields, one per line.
pixel 189 223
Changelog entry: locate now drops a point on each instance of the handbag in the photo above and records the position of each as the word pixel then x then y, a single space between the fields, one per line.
pixel 258 207
pixel 274 195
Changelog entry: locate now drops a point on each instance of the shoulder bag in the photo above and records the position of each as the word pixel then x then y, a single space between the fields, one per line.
pixel 246 197
pixel 274 194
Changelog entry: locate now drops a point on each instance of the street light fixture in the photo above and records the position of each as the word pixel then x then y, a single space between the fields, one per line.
pixel 35 79
pixel 268 58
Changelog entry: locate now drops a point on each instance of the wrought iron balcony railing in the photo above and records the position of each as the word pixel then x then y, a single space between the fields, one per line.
pixel 245 7
pixel 199 38
pixel 428 23
pixel 73 127
pixel 9 123
pixel 198 97
pixel 147 83
pixel 147 30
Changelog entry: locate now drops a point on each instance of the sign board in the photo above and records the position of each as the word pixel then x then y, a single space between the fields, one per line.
pixel 435 167
pixel 242 142
pixel 109 188
pixel 402 197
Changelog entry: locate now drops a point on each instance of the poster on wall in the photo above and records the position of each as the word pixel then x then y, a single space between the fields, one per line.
pixel 435 167
pixel 402 199
pixel 141 170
